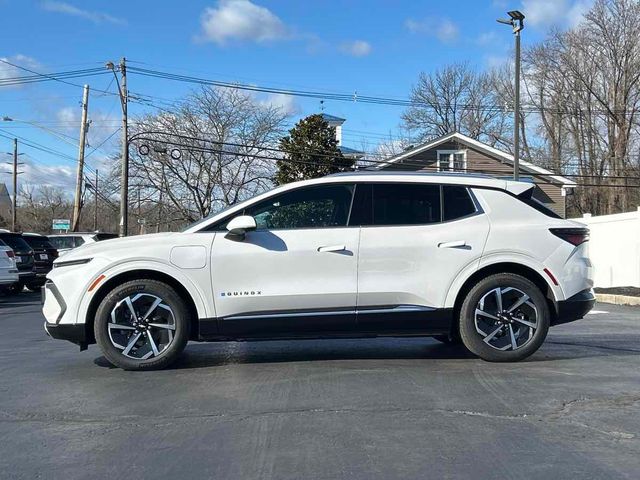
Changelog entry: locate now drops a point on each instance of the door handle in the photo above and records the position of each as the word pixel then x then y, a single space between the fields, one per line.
pixel 453 244
pixel 332 248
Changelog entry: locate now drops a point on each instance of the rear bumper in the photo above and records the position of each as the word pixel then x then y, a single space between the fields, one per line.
pixel 575 307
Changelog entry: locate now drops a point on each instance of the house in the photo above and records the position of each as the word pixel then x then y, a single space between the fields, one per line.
pixel 5 204
pixel 336 122
pixel 456 152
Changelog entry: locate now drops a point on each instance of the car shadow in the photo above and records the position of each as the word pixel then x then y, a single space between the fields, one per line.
pixel 211 355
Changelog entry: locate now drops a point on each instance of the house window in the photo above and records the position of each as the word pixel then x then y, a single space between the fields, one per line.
pixel 452 160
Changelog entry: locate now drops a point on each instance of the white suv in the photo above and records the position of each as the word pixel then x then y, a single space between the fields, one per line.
pixel 8 269
pixel 458 257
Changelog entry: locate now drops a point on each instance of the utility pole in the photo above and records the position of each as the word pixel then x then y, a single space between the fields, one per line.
pixel 14 207
pixel 516 21
pixel 95 204
pixel 124 161
pixel 124 190
pixel 77 202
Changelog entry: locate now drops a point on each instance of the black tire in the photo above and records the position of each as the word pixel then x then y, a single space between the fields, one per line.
pixel 474 341
pixel 170 298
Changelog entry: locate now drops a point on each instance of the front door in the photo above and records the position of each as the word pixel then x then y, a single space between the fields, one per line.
pixel 296 273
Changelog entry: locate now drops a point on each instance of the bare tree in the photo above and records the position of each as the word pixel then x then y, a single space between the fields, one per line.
pixel 213 149
pixel 455 99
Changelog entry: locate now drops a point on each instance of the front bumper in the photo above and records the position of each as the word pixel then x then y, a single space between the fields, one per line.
pixel 575 307
pixel 73 333
pixel 53 308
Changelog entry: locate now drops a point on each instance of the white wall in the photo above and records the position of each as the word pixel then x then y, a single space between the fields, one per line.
pixel 614 248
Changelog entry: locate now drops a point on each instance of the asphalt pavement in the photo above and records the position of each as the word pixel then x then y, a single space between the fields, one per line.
pixel 323 409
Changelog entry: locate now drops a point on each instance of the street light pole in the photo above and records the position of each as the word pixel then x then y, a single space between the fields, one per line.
pixel 516 21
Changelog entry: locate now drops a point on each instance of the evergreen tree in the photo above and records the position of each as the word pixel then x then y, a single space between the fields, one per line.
pixel 310 151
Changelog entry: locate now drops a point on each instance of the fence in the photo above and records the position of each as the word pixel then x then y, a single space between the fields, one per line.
pixel 614 248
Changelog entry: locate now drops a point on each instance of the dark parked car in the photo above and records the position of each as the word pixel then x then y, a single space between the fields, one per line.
pixel 68 241
pixel 44 254
pixel 24 259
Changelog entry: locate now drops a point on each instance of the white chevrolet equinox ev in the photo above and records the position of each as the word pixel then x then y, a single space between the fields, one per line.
pixel 462 258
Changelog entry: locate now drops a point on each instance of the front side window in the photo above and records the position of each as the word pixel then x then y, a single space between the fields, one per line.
pixel 313 207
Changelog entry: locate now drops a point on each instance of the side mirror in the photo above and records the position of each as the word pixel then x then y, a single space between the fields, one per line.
pixel 239 226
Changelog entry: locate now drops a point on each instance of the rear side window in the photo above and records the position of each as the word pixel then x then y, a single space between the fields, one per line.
pixel 38 242
pixel 385 204
pixel 457 202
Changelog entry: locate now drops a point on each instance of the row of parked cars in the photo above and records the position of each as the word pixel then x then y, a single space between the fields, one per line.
pixel 26 258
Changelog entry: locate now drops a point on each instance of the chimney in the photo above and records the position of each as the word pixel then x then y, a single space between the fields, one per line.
pixel 335 122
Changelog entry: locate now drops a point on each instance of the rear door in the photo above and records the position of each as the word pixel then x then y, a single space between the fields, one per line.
pixel 415 239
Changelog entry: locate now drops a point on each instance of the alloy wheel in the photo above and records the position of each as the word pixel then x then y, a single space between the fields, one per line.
pixel 506 318
pixel 142 326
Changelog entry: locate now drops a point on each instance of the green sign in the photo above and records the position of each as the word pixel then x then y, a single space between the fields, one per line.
pixel 61 224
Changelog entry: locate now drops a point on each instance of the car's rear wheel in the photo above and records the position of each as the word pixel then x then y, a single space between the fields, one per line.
pixel 142 325
pixel 504 318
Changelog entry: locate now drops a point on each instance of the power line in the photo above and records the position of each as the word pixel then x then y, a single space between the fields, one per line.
pixel 423 167
pixel 355 97
pixel 54 77
pixel 330 156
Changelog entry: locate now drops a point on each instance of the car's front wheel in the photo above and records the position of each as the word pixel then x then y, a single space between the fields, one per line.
pixel 142 325
pixel 504 318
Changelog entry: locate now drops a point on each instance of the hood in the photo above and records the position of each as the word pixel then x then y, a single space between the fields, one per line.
pixel 105 247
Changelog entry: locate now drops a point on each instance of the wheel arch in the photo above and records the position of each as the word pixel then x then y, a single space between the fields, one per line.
pixel 136 274
pixel 525 271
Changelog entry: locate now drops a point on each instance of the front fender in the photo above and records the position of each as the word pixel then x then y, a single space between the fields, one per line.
pixel 197 292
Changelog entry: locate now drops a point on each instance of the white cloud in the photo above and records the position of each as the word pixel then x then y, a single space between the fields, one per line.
pixel 487 38
pixel 442 28
pixel 240 20
pixel 356 48
pixel 545 13
pixel 9 71
pixel 101 126
pixel 68 115
pixel 286 103
pixel 92 16
pixel 38 174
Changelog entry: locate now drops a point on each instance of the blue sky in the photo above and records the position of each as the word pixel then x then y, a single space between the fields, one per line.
pixel 372 47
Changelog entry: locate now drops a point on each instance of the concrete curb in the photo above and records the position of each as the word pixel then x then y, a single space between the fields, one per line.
pixel 617 299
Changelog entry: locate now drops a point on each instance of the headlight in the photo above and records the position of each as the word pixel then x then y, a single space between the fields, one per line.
pixel 70 263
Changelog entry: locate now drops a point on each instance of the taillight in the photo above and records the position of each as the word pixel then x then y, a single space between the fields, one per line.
pixel 575 236
pixel 10 254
